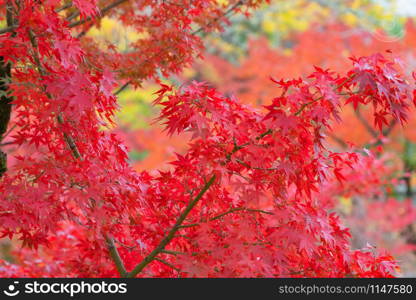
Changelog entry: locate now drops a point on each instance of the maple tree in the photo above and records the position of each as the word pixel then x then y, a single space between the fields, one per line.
pixel 248 80
pixel 243 201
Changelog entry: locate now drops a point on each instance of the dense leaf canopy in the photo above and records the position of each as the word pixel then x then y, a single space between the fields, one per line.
pixel 243 201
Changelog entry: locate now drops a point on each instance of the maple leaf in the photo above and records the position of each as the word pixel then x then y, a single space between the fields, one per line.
pixel 380 119
pixel 356 100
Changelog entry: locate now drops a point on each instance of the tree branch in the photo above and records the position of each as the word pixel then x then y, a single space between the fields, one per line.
pixel 319 98
pixel 232 210
pixel 68 139
pixel 253 168
pixel 75 152
pixel 270 131
pixel 337 139
pixel 389 129
pixel 237 209
pixel 122 88
pixel 103 11
pixel 227 12
pixel 199 30
pixel 172 252
pixel 10 28
pixel 386 132
pixel 166 240
pixel 364 122
pixel 63 7
pixel 167 264
pixel 112 249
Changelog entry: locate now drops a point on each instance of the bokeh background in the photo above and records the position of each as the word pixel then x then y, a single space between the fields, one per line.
pixel 286 39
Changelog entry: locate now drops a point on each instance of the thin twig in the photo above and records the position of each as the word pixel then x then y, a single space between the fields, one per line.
pixel 172 252
pixel 364 122
pixel 386 132
pixel 188 225
pixel 68 139
pixel 13 27
pixel 168 264
pixel 319 98
pixel 232 210
pixel 254 168
pixel 63 7
pixel 389 129
pixel 227 12
pixel 9 131
pixel 5 100
pixel 270 131
pixel 122 88
pixel 112 249
pixel 8 29
pixel 237 209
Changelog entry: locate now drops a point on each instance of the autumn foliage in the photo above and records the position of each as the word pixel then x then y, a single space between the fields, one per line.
pixel 246 199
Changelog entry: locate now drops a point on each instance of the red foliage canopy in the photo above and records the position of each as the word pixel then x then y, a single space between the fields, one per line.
pixel 241 202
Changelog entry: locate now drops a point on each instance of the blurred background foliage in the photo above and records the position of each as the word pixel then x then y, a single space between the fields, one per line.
pixel 281 19
pixel 285 39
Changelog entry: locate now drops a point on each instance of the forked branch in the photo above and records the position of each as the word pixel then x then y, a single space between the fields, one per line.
pixel 171 234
